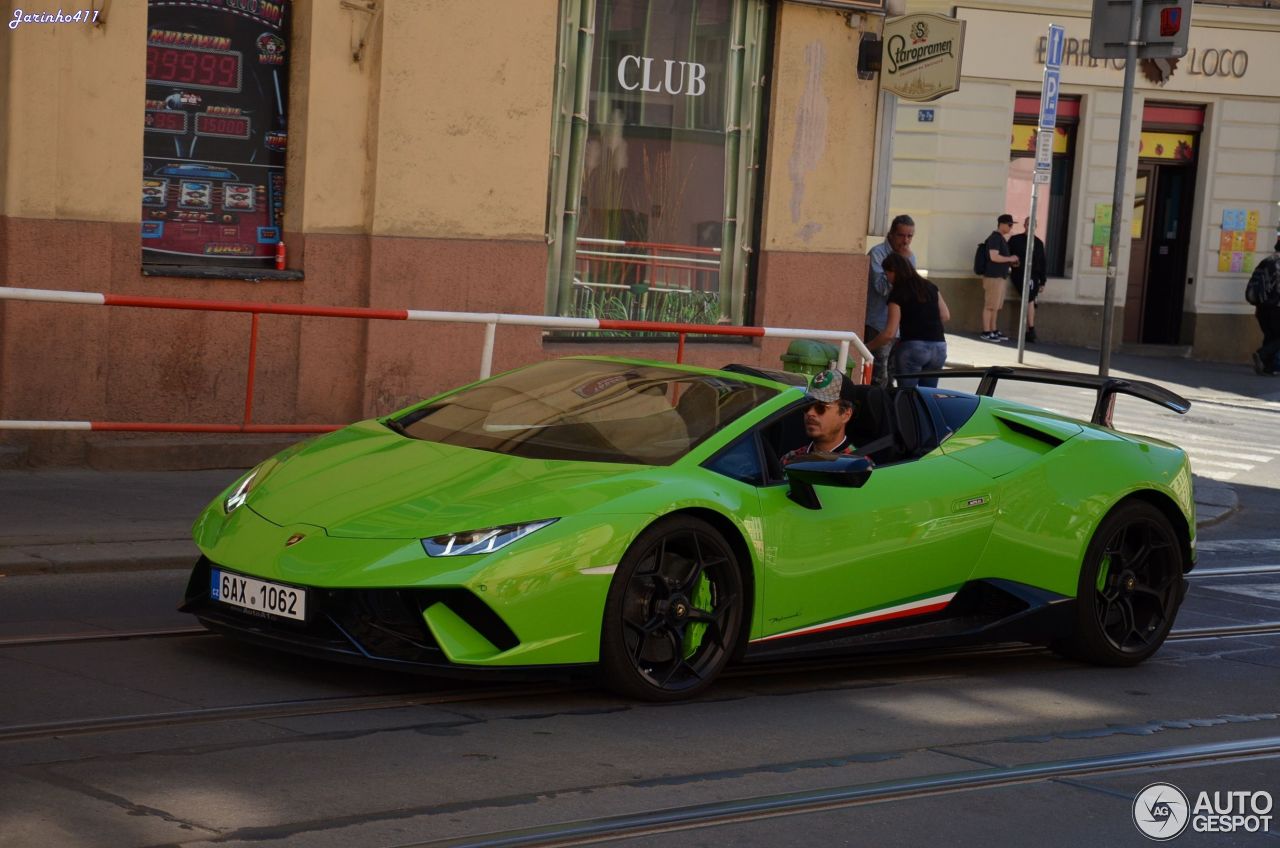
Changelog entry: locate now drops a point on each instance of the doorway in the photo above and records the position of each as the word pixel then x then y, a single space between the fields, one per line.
pixel 1163 203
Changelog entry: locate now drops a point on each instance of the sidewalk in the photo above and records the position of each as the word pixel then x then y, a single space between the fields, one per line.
pixel 60 520
pixel 76 520
pixel 1216 382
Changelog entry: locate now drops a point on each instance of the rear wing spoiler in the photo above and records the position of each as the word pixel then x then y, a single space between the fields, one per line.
pixel 1106 387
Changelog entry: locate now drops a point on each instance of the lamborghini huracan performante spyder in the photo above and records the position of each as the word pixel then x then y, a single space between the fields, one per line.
pixel 634 518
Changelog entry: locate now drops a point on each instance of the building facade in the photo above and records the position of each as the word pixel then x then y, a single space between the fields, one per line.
pixel 705 161
pixel 1201 189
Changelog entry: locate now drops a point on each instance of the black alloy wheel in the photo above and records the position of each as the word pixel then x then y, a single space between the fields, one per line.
pixel 674 613
pixel 1130 587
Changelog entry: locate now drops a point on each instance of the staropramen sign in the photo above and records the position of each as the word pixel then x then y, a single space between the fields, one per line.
pixel 922 56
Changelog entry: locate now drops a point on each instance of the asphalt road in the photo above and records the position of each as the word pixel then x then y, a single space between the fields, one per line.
pixel 177 738
pixel 196 740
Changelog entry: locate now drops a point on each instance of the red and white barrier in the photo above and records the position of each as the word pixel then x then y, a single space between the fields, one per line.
pixel 490 320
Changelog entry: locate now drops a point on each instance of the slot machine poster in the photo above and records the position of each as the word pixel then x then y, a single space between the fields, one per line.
pixel 215 132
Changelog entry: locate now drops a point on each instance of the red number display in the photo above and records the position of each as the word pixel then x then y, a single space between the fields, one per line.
pixel 174 122
pixel 197 68
pixel 222 125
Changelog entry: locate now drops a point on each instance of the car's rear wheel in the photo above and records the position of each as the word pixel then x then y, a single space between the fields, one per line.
pixel 1130 587
pixel 674 612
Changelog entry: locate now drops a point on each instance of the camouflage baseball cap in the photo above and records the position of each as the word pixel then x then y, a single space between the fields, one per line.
pixel 825 386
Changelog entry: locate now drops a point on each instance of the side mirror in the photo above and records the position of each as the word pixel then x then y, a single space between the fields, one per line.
pixel 825 469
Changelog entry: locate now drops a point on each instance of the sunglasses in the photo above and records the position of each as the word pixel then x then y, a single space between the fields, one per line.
pixel 819 407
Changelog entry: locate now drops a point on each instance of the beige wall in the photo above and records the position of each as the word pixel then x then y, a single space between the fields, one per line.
pixel 464 121
pixel 6 123
pixel 68 86
pixel 333 102
pixel 821 133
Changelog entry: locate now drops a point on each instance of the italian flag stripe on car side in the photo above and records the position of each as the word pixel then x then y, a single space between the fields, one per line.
pixel 918 607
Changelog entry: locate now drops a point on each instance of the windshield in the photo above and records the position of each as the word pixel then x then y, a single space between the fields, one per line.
pixel 588 411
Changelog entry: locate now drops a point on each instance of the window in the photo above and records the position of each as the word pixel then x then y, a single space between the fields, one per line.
pixel 1053 207
pixel 587 410
pixel 740 461
pixel 214 133
pixel 652 195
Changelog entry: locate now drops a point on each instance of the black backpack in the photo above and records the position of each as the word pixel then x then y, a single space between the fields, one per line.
pixel 1263 288
pixel 980 259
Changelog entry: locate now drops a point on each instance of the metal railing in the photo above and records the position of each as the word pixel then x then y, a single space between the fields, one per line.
pixel 490 321
pixel 618 264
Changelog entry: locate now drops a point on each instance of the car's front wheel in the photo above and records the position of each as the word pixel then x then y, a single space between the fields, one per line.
pixel 674 612
pixel 1130 587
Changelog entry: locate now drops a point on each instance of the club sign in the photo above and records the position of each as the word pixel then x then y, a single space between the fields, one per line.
pixel 639 72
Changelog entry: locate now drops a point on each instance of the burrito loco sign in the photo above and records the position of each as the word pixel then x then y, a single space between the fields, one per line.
pixel 922 56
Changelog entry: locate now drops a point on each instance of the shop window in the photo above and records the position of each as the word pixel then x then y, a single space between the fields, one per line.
pixel 653 190
pixel 1053 206
pixel 214 134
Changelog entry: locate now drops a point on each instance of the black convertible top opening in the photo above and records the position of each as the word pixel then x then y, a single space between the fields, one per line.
pixel 1106 387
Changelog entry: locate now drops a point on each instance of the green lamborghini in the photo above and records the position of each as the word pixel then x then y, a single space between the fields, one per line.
pixel 634 518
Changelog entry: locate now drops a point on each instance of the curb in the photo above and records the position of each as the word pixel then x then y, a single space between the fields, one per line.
pixel 1215 501
pixel 89 557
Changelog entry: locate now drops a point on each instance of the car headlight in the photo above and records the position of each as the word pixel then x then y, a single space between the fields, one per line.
pixel 240 493
pixel 483 541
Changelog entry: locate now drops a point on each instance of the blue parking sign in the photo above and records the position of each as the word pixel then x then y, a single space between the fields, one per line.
pixel 1049 98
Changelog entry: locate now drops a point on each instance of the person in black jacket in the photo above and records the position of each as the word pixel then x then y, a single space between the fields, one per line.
pixel 1018 247
pixel 1263 291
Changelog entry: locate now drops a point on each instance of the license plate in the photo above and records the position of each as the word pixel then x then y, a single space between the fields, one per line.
pixel 258 595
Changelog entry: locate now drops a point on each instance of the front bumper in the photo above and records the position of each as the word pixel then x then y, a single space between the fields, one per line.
pixel 383 628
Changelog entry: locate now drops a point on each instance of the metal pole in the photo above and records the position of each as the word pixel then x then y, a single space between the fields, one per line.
pixel 486 354
pixel 729 258
pixel 1117 195
pixel 572 220
pixel 1026 267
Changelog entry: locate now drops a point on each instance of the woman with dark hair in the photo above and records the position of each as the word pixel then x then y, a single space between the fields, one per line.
pixel 917 308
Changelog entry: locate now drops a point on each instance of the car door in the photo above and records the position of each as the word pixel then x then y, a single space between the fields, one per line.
pixel 899 546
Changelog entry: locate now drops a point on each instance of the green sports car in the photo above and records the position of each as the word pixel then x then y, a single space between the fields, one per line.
pixel 634 518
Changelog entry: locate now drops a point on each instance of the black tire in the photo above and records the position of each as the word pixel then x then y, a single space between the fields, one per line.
pixel 673 616
pixel 1131 584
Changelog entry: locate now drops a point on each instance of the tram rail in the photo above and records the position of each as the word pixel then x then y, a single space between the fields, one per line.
pixel 739 811
pixel 508 691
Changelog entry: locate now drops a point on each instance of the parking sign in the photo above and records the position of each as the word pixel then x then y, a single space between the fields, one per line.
pixel 1049 98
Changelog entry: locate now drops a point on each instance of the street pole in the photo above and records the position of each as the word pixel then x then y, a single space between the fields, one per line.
pixel 1026 270
pixel 1117 195
pixel 1055 41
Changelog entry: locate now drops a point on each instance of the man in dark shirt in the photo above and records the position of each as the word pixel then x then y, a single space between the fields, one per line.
pixel 901 231
pixel 994 279
pixel 1018 247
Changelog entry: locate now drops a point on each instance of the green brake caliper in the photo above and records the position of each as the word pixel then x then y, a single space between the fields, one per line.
pixel 1104 569
pixel 700 599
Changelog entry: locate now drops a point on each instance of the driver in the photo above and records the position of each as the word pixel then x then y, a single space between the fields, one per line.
pixel 825 417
